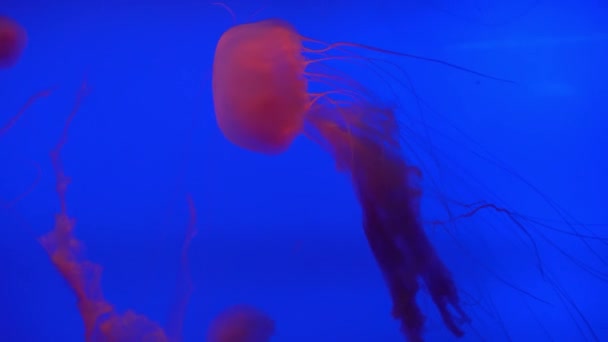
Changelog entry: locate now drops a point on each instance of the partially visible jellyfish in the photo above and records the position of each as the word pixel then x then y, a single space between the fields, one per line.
pixel 241 323
pixel 264 74
pixel 13 39
pixel 102 322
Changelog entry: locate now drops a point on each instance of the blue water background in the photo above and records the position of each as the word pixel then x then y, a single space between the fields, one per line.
pixel 283 233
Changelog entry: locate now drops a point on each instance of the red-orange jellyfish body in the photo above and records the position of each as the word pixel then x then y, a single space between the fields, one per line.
pixel 261 75
pixel 264 59
pixel 13 39
pixel 241 323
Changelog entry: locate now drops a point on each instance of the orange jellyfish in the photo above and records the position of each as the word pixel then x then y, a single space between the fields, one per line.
pixel 13 39
pixel 260 90
pixel 5 128
pixel 271 84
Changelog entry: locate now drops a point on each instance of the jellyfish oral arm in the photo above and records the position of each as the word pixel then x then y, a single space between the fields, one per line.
pixel 387 190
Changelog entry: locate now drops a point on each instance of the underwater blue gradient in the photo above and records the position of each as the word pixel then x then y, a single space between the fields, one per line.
pixel 283 233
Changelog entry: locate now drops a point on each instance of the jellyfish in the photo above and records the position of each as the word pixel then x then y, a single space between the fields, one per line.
pixel 13 39
pixel 271 84
pixel 260 92
pixel 241 323
pixel 4 129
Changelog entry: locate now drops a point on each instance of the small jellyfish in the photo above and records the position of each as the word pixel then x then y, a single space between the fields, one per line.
pixel 262 75
pixel 241 323
pixel 13 39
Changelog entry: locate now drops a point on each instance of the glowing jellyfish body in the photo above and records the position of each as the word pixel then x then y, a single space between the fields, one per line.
pixel 262 103
pixel 264 59
pixel 13 39
pixel 241 323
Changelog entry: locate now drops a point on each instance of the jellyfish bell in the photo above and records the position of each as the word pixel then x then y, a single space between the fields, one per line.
pixel 259 90
pixel 13 39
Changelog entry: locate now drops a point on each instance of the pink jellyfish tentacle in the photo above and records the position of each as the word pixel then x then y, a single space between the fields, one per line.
pixel 8 126
pixel 101 321
pixel 388 192
pixel 65 251
pixel 29 103
pixel 185 286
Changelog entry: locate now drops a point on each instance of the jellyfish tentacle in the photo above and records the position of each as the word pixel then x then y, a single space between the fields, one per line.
pixel 387 189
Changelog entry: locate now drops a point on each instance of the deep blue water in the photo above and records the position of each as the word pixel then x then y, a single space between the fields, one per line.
pixel 283 233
